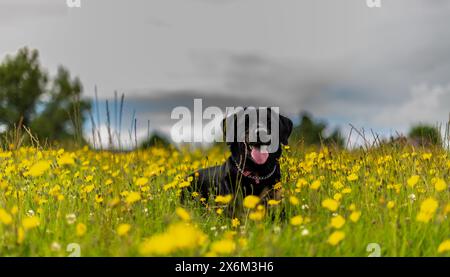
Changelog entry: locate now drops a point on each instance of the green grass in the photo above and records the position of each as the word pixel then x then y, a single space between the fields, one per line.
pixel 94 185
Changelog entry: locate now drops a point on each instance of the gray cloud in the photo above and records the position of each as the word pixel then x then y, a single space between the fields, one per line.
pixel 338 59
pixel 16 11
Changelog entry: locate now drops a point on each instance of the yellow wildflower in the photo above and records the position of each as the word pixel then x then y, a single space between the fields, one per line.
pixel 223 199
pixel 337 222
pixel 5 217
pixel 256 216
pixel 390 204
pixel 273 202
pixel 30 222
pixel 39 168
pixel 133 197
pixel 352 177
pixel 141 181
pixel 354 216
pixel 294 200
pixel 183 214
pixel 330 204
pixel 80 229
pixel 440 185
pixel 444 246
pixel 251 201
pixel 66 159
pixel 315 185
pixel 235 222
pixel 296 220
pixel 225 246
pixel 123 229
pixel 427 210
pixel 413 180
pixel 336 237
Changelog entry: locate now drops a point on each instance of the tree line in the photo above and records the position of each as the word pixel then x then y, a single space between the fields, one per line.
pixel 51 108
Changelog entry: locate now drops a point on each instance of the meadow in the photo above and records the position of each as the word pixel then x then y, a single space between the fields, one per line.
pixel 387 201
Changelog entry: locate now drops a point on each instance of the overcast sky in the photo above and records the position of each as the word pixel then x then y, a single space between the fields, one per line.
pixel 381 68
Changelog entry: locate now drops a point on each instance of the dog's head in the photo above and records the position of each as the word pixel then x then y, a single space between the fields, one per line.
pixel 256 135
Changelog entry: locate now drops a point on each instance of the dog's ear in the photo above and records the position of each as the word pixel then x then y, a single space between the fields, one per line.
pixel 285 129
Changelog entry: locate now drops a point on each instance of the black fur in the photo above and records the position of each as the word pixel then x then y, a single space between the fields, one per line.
pixel 227 179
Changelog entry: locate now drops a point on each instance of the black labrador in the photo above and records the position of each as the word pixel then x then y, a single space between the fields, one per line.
pixel 252 168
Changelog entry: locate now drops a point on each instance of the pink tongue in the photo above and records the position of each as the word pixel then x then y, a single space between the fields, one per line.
pixel 258 156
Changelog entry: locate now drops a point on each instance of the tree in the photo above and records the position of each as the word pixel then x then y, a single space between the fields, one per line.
pixel 425 135
pixel 22 83
pixel 312 133
pixel 64 113
pixel 155 140
pixel 52 109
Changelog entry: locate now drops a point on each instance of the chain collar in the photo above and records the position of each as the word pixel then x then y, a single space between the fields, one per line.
pixel 254 177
